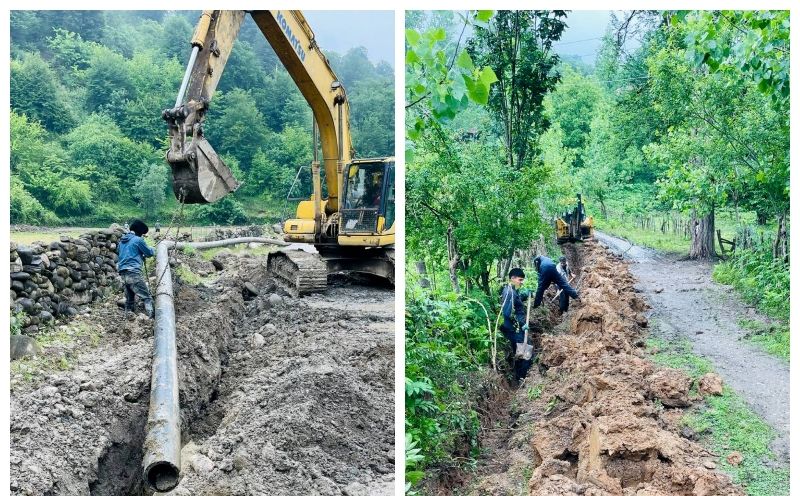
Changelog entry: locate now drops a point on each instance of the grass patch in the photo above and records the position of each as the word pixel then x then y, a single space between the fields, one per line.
pixel 771 337
pixel 186 275
pixel 726 424
pixel 670 243
pixel 30 237
pixel 61 346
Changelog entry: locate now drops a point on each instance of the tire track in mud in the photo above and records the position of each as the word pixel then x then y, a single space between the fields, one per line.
pixel 603 420
pixel 278 395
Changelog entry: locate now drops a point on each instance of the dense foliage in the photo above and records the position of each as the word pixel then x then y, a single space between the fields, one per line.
pixel 88 141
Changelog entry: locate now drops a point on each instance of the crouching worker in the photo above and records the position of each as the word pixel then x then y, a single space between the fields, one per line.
pixel 548 274
pixel 132 251
pixel 514 324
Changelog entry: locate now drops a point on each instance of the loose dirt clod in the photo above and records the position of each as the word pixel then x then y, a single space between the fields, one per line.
pixel 710 384
pixel 294 396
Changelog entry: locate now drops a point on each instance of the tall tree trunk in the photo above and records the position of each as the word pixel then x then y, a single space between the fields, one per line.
pixel 485 282
pixel 422 270
pixel 452 259
pixel 702 231
pixel 781 244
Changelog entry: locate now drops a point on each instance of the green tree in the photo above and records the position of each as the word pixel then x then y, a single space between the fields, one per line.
pixel 572 106
pixel 99 142
pixel 25 209
pixel 227 211
pixel 751 42
pixel 236 127
pixel 175 38
pixel 372 117
pixel 149 190
pixel 72 197
pixel 108 83
pixel 517 45
pixel 37 93
pixel 441 78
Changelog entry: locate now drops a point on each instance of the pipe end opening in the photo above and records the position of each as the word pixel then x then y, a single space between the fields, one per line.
pixel 162 476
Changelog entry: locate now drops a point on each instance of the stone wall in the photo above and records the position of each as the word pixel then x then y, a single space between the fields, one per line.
pixel 254 231
pixel 52 279
pixel 49 280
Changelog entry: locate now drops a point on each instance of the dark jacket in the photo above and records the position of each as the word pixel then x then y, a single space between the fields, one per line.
pixel 132 251
pixel 513 314
pixel 548 274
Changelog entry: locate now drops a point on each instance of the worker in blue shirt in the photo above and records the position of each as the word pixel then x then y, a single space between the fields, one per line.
pixel 131 254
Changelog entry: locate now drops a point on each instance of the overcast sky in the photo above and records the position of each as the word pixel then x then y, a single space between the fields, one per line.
pixel 585 29
pixel 341 30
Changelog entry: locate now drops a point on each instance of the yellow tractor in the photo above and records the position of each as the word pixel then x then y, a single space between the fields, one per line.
pixel 352 230
pixel 574 225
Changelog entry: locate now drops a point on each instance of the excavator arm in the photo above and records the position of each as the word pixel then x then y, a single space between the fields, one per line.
pixel 199 175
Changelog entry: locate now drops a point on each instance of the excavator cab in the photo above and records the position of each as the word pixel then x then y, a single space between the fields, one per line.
pixel 368 197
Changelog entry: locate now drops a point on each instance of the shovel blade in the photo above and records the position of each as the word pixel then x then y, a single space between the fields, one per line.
pixel 201 176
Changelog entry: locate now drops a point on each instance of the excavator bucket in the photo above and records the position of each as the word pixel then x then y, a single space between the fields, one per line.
pixel 201 176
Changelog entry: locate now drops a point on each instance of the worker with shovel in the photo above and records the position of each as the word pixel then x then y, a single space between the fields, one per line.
pixel 548 274
pixel 131 254
pixel 515 323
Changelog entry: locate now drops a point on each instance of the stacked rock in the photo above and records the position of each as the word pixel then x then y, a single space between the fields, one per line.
pixel 254 231
pixel 49 280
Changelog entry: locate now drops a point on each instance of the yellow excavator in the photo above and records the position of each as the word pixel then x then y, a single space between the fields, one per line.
pixel 574 226
pixel 353 228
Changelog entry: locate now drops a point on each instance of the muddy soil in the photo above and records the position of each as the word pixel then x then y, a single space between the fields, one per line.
pixel 278 395
pixel 602 419
pixel 688 304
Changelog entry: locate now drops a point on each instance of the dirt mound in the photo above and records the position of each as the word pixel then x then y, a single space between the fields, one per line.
pixel 607 433
pixel 278 395
pixel 603 420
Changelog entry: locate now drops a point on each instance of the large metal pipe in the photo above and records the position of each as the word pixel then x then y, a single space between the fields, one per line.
pixel 162 443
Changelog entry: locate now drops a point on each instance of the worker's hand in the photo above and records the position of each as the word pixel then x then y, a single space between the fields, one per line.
pixel 524 293
pixel 525 328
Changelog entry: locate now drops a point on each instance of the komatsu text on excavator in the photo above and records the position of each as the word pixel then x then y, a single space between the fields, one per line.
pixel 353 228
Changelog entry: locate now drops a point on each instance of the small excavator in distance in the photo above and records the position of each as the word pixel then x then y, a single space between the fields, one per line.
pixel 353 228
pixel 574 226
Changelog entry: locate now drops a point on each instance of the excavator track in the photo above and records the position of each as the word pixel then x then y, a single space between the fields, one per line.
pixel 298 272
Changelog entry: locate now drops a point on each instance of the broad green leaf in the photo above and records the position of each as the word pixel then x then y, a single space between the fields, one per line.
pixel 412 36
pixel 484 15
pixel 465 61
pixel 488 76
pixel 438 34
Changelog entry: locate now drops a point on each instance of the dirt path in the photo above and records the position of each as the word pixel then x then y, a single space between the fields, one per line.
pixel 279 395
pixel 688 304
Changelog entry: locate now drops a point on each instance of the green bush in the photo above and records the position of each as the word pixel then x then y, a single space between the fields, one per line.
pixel 761 280
pixel 227 211
pixel 447 348
pixel 25 209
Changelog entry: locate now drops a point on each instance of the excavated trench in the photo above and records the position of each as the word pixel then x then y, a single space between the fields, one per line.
pixel 277 394
pixel 600 419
